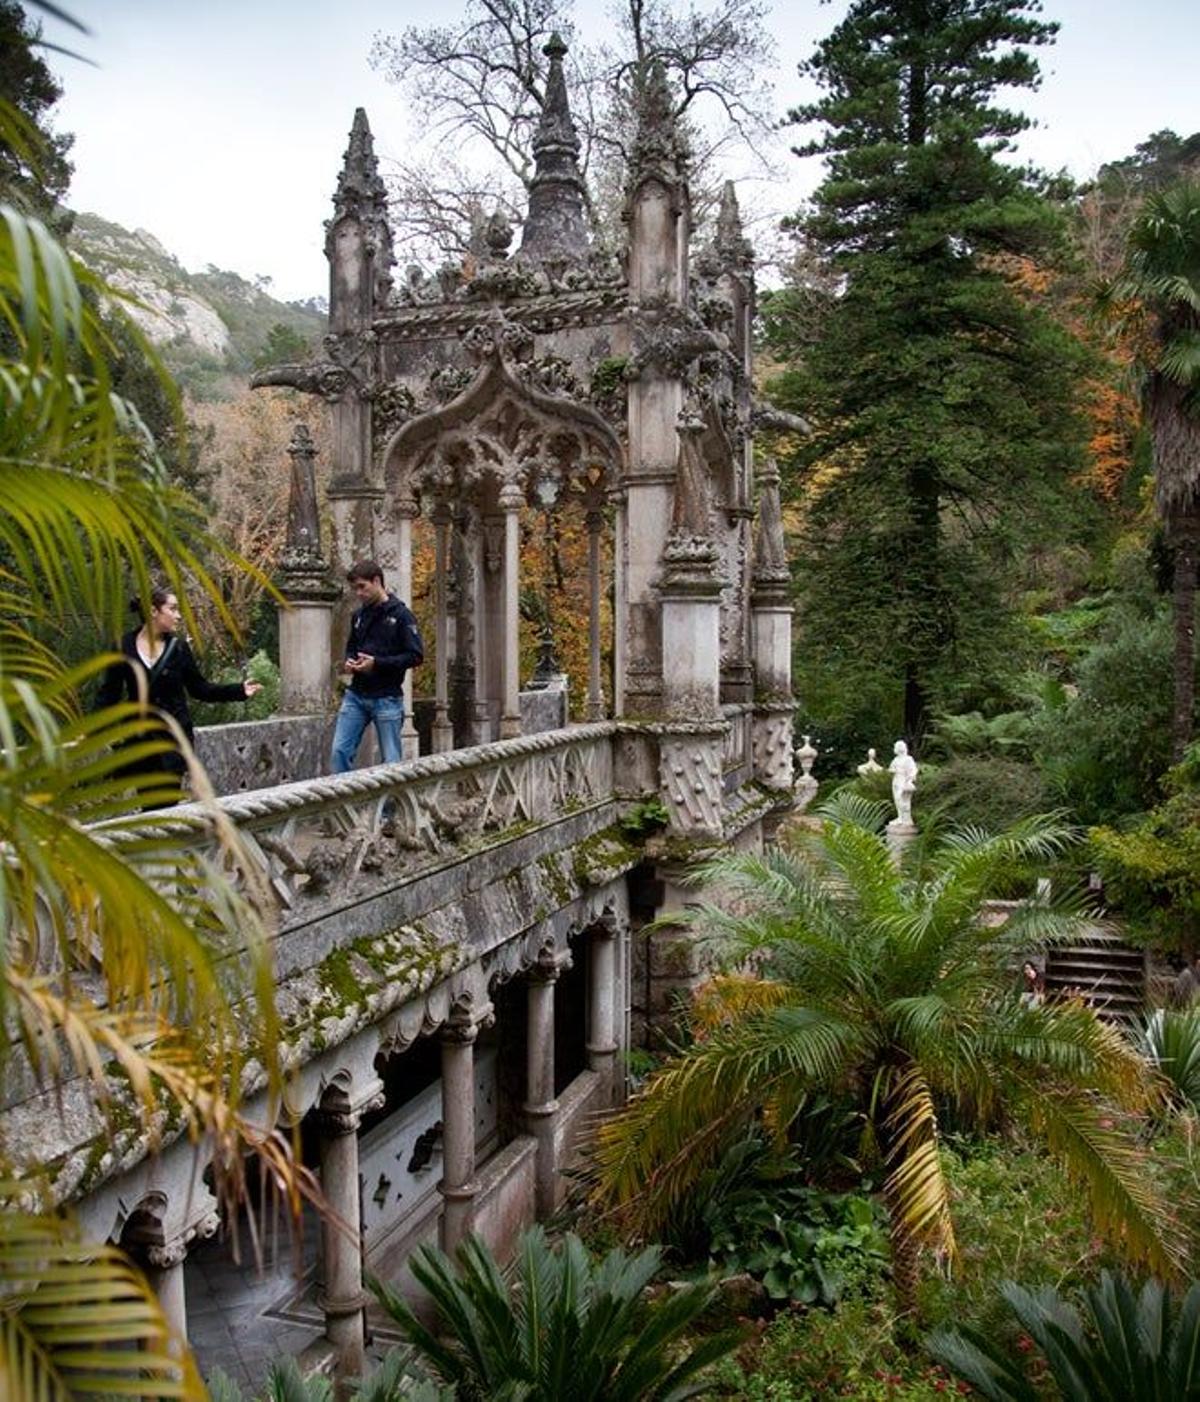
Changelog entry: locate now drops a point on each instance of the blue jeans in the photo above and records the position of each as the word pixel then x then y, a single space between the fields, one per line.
pixel 355 714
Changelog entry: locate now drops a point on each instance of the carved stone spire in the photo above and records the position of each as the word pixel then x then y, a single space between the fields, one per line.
pixel 772 577
pixel 732 248
pixel 556 225
pixel 362 196
pixel 659 149
pixel 303 572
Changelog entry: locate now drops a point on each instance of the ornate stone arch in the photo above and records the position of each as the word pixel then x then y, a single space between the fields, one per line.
pixel 502 427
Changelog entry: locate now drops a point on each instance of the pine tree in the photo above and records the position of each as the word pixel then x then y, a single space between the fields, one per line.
pixel 940 394
pixel 34 170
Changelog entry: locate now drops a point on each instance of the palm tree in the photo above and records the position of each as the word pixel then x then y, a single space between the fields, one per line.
pixel 1158 291
pixel 567 1327
pixel 1121 1347
pixel 85 507
pixel 845 974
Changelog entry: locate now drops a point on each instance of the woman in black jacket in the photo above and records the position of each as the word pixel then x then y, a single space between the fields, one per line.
pixel 163 664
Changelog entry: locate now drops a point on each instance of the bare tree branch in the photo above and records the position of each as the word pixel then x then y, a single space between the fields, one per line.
pixel 479 86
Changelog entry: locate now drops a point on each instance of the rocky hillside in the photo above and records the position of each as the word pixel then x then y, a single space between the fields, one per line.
pixel 211 328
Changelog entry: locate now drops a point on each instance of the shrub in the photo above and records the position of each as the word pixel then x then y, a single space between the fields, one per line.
pixel 1119 1347
pixel 566 1326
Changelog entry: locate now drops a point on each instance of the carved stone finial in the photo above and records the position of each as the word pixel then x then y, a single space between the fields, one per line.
pixel 303 572
pixel 659 149
pixel 731 248
pixel 806 786
pixel 362 195
pixel 498 236
pixel 556 225
pixel 870 767
pixel 771 576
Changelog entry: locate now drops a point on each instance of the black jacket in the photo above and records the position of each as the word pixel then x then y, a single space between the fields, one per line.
pixel 387 632
pixel 172 679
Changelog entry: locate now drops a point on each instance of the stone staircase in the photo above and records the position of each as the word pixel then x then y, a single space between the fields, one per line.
pixel 1110 974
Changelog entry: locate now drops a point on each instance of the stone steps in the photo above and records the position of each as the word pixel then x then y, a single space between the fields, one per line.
pixel 1108 973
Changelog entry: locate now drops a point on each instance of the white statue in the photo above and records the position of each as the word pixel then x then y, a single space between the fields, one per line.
pixel 904 780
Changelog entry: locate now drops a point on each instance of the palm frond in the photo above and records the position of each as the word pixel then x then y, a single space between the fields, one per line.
pixel 156 1062
pixel 916 1189
pixel 1127 1208
pixel 77 1321
pixel 646 1158
pixel 1068 1041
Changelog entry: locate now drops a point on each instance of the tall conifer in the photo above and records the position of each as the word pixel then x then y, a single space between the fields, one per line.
pixel 940 394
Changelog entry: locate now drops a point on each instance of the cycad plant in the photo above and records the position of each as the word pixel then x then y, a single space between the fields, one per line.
pixel 1120 1347
pixel 846 975
pixel 1171 1039
pixel 565 1327
pixel 106 970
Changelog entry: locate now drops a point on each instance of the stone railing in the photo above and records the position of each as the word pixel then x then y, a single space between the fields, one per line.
pixel 327 839
pixel 248 755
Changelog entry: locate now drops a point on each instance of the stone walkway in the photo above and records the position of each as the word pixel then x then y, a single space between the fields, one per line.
pixel 240 1318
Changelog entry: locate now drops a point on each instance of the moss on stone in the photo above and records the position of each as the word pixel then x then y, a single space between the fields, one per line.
pixel 605 855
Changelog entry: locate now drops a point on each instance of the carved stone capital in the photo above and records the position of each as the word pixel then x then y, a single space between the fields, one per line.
pixel 550 964
pixel 342 1110
pixel 512 496
pixel 467 1019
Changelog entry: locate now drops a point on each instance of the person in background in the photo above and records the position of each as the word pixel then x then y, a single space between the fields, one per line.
pixel 158 664
pixel 384 643
pixel 1185 991
pixel 1033 985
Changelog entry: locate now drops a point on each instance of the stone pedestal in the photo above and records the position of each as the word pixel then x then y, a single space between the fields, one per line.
pixel 900 836
pixel 305 652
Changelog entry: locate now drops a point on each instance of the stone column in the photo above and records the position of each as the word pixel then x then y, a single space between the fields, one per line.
pixel 342 1299
pixel 541 1106
pixel 595 699
pixel 443 731
pixel 164 1274
pixel 407 511
pixel 306 624
pixel 618 496
pixel 771 630
pixel 158 1235
pixel 511 500
pixel 602 1044
pixel 658 214
pixel 458 1186
pixel 692 744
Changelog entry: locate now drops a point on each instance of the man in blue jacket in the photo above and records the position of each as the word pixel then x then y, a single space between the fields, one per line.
pixel 384 643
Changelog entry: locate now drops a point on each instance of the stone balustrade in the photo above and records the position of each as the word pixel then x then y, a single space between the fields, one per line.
pixel 330 840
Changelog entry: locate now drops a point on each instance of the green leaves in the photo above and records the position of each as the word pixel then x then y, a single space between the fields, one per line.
pixel 564 1326
pixel 1121 1347
pixel 850 975
pixel 78 1322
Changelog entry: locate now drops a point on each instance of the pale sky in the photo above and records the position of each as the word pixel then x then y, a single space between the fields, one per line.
pixel 220 126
